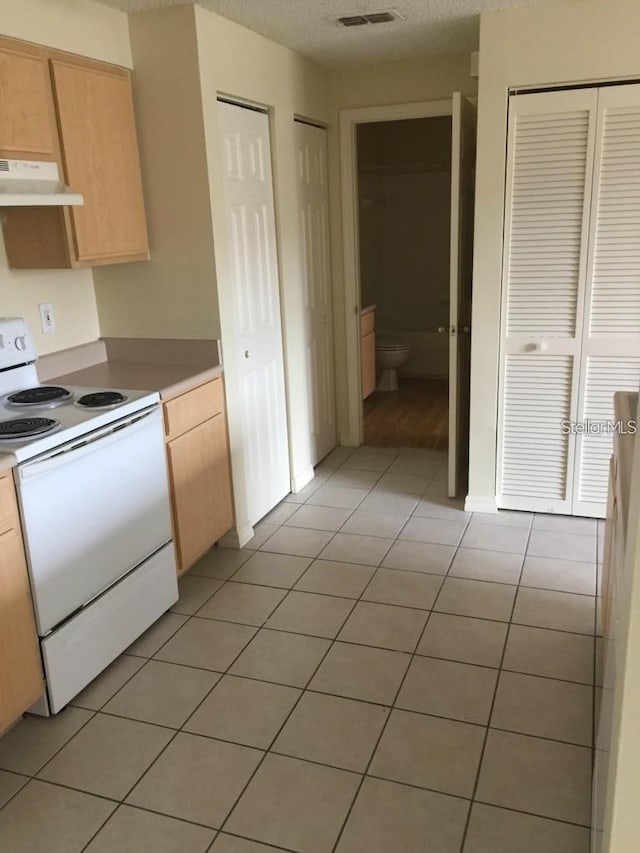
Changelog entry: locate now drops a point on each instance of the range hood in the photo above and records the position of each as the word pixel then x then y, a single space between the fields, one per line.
pixel 34 183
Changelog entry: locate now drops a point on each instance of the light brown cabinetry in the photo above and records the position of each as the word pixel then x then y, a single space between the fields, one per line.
pixel 368 353
pixel 27 121
pixel 78 112
pixel 21 678
pixel 198 458
pixel 100 155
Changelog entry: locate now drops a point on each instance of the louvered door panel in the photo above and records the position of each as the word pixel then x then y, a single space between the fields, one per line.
pixel 611 336
pixel 549 163
pixel 615 295
pixel 549 169
pixel 535 448
pixel 603 377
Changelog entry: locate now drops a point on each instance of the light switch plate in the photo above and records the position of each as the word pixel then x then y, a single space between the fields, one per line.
pixel 47 319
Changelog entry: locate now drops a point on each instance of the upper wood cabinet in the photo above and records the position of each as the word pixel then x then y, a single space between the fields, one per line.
pixel 78 112
pixel 27 121
pixel 100 156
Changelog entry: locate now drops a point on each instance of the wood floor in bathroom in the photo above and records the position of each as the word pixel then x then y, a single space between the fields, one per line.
pixel 416 415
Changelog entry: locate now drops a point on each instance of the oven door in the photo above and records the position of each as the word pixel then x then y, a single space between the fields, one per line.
pixel 92 510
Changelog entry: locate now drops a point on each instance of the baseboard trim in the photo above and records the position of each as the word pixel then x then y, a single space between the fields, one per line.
pixel 301 480
pixel 347 440
pixel 480 503
pixel 238 537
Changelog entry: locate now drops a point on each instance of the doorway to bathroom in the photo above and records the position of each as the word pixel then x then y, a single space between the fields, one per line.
pixel 407 206
pixel 404 213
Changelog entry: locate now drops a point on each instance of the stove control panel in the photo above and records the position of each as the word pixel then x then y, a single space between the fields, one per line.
pixel 16 344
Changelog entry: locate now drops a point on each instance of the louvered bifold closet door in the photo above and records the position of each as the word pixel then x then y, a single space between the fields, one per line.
pixel 611 331
pixel 549 170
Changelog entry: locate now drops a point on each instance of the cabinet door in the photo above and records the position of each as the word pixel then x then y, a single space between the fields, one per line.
pixel 368 352
pixel 27 122
pixel 201 486
pixel 100 155
pixel 21 681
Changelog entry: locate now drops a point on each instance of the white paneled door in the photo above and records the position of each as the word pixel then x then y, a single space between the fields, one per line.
pixel 249 208
pixel 571 294
pixel 313 202
pixel 463 132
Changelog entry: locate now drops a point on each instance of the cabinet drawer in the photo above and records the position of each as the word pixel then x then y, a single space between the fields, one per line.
pixel 367 323
pixel 8 508
pixel 193 408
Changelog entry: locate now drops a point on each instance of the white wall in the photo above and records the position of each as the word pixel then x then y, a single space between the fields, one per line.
pixel 184 57
pixel 429 79
pixel 173 295
pixel 582 41
pixel 91 29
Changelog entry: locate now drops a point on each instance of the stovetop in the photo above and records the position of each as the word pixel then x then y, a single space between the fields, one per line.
pixel 48 426
pixel 36 417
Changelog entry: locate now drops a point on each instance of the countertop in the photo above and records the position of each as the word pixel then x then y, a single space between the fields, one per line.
pixel 170 367
pixel 169 380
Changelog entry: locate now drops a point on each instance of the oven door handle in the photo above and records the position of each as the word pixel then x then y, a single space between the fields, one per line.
pixel 80 447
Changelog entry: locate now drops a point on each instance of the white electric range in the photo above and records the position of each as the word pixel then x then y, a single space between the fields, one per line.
pixel 94 503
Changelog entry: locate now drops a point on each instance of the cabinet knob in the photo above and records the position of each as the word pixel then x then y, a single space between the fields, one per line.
pixel 247 353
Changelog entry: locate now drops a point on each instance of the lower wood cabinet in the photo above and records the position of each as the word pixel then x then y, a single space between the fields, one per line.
pixel 199 470
pixel 21 677
pixel 368 352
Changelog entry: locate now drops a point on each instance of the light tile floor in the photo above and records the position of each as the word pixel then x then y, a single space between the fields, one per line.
pixel 378 671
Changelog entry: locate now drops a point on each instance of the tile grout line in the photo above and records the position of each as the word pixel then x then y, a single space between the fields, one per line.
pixel 391 709
pixel 382 604
pixel 443 578
pixel 176 732
pixel 303 691
pixel 391 569
pixel 493 701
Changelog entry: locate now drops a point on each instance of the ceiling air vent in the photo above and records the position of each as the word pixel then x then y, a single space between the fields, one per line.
pixel 381 17
pixel 369 18
pixel 353 20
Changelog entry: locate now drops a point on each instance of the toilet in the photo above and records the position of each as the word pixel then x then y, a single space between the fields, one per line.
pixel 390 356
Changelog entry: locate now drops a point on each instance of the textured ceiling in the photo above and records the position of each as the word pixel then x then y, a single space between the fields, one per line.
pixel 308 26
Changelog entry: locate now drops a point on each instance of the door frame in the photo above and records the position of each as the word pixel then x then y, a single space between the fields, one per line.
pixel 353 434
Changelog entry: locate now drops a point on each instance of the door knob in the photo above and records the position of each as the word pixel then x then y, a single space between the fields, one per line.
pixel 537 346
pixel 444 330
